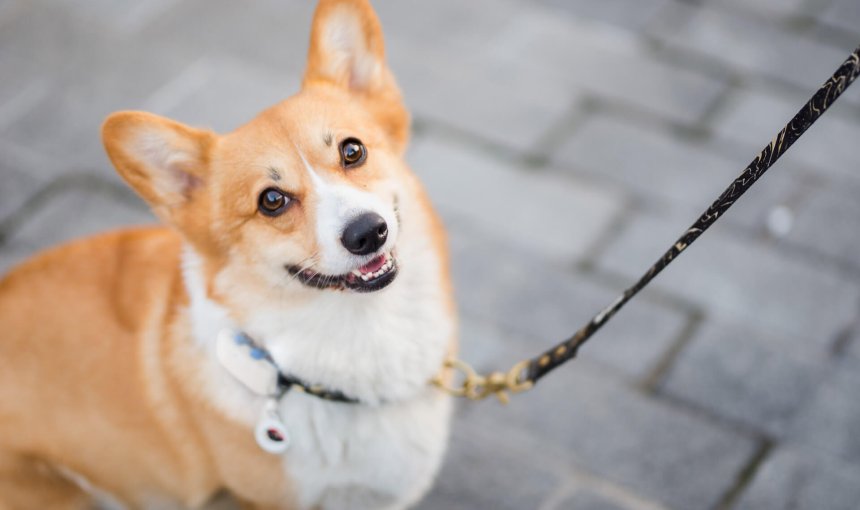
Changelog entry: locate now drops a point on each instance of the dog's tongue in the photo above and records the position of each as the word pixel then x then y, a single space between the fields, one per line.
pixel 374 265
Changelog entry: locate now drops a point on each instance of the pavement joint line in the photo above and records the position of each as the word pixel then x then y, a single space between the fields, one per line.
pixel 712 417
pixel 690 59
pixel 719 105
pixel 630 112
pixel 83 180
pixel 785 21
pixel 746 475
pixel 693 61
pixel 701 63
pixel 474 141
pixel 617 493
pixel 620 220
pixel 845 337
pixel 581 481
pixel 814 257
pixel 562 491
pixel 663 367
pixel 544 148
pixel 838 37
pixel 23 102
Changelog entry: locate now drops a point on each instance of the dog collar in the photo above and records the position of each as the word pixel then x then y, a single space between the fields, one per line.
pixel 253 366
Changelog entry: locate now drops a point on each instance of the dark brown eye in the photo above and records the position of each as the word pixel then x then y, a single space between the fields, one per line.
pixel 273 202
pixel 352 152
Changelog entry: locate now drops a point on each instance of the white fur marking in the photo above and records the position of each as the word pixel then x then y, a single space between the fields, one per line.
pixel 337 205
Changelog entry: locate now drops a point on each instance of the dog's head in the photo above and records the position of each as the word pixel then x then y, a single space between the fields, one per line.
pixel 306 193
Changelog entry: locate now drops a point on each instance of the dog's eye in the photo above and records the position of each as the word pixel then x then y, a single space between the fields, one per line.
pixel 352 152
pixel 273 202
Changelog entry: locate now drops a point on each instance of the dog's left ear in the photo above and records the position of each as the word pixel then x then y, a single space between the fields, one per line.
pixel 347 50
pixel 166 162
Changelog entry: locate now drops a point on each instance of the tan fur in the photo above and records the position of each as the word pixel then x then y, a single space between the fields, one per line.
pixel 99 375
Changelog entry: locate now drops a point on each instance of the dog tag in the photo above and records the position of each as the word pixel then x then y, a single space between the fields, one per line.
pixel 271 433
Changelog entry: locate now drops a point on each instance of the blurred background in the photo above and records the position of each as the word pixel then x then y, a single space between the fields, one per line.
pixel 566 143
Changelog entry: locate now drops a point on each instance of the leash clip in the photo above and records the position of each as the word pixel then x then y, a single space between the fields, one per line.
pixel 479 387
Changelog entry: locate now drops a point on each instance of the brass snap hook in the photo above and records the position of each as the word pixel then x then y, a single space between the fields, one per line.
pixel 478 387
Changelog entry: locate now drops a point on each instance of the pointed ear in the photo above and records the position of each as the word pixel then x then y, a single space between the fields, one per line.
pixel 164 161
pixel 347 50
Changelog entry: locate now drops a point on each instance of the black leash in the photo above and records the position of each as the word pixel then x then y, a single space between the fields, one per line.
pixel 526 373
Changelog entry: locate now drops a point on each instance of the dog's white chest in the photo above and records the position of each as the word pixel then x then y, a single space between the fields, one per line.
pixel 348 456
pixel 361 456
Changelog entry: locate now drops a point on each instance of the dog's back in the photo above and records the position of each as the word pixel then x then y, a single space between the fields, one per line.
pixel 72 389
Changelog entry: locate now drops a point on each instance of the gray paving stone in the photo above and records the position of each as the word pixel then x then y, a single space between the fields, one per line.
pixel 827 221
pixel 832 417
pixel 616 67
pixel 754 117
pixel 89 74
pixel 221 93
pixel 468 26
pixel 741 280
pixel 555 217
pixel 627 14
pixel 120 18
pixel 269 33
pixel 74 213
pixel 742 374
pixel 22 173
pixel 668 172
pixel 538 304
pixel 585 500
pixel 783 8
pixel 483 470
pixel 649 161
pixel 577 415
pixel 844 14
pixel 489 346
pixel 17 100
pixel 36 39
pixel 751 44
pixel 463 89
pixel 802 479
pixel 452 81
pixel 475 49
pixel 852 349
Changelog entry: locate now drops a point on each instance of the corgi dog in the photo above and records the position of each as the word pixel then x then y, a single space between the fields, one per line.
pixel 275 341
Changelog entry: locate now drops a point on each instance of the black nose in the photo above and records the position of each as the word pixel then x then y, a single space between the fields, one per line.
pixel 365 234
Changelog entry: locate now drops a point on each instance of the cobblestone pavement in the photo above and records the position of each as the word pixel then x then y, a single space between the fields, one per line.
pixel 566 143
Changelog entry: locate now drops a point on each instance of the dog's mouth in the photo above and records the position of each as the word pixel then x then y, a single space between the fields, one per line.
pixel 372 276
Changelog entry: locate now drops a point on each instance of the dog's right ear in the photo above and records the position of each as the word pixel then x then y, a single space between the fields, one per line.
pixel 347 50
pixel 164 161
